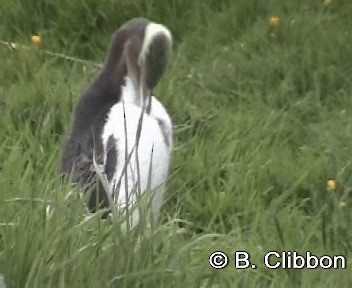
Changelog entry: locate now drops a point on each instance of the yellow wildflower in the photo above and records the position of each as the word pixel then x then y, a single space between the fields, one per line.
pixel 36 39
pixel 331 185
pixel 274 21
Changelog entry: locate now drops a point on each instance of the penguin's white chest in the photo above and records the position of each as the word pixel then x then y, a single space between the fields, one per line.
pixel 137 151
pixel 138 147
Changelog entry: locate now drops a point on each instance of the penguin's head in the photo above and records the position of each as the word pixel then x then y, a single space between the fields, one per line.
pixel 140 49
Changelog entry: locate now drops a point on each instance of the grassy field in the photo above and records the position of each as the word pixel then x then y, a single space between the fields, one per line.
pixel 263 120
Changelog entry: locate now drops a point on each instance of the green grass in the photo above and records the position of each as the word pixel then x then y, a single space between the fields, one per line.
pixel 263 121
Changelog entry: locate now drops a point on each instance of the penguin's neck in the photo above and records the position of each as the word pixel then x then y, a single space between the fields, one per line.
pixel 131 91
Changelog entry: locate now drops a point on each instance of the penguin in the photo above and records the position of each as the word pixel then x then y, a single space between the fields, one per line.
pixel 120 142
